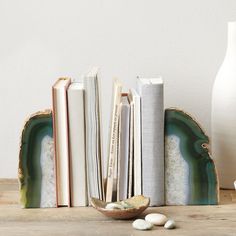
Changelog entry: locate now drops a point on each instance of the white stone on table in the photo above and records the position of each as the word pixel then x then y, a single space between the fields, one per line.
pixel 140 224
pixel 170 224
pixel 156 219
pixel 113 206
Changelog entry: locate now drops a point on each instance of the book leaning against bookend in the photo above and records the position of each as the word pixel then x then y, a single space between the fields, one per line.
pixel 93 134
pixel 152 135
pixel 112 152
pixel 78 190
pixel 61 139
pixel 123 149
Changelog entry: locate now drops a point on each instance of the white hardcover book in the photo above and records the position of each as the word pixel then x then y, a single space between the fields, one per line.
pixel 137 162
pixel 152 125
pixel 117 88
pixel 61 139
pixel 78 177
pixel 93 134
pixel 123 153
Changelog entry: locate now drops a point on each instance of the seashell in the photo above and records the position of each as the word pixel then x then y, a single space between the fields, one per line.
pixel 112 206
pixel 137 205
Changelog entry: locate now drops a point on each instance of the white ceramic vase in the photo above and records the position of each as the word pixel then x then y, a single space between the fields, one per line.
pixel 224 114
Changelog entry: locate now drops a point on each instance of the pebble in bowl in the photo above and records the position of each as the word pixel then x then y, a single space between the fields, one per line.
pixel 122 210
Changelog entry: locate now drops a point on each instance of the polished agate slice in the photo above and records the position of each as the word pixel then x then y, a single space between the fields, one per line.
pixel 190 173
pixel 36 162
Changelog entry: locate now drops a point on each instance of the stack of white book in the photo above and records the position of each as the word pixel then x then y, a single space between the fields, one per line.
pixel 136 143
pixel 136 147
pixel 77 140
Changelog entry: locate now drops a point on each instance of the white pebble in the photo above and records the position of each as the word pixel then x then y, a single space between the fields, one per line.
pixel 142 225
pixel 112 206
pixel 170 224
pixel 156 219
pixel 126 205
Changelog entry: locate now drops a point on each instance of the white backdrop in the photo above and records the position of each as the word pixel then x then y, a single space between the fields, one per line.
pixel 183 40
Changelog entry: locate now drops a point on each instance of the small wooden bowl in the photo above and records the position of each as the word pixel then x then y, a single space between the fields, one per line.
pixel 139 203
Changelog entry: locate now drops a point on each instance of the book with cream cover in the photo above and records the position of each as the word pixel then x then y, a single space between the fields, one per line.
pixel 117 89
pixel 61 140
pixel 76 119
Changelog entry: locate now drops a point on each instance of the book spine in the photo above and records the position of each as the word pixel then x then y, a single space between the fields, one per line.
pixel 137 148
pixel 61 139
pixel 100 138
pixel 152 142
pixel 113 141
pixel 118 182
pixel 77 147
pixel 131 151
pixel 54 140
pixel 123 173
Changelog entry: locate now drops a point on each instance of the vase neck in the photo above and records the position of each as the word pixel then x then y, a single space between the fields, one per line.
pixel 231 47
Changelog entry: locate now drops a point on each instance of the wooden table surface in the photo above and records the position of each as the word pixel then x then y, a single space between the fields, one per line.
pixel 191 220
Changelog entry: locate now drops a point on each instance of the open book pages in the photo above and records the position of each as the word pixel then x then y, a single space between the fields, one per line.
pixel 123 149
pixel 112 152
pixel 151 93
pixel 61 139
pixel 93 134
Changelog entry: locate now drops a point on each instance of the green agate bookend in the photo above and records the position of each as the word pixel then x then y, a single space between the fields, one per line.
pixel 36 162
pixel 190 172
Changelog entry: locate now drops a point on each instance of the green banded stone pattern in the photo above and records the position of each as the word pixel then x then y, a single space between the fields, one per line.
pixel 190 173
pixel 36 162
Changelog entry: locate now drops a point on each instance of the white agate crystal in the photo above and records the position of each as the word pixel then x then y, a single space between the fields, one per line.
pixel 48 184
pixel 177 174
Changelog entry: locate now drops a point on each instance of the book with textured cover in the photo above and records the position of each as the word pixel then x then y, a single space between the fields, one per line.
pixel 152 123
